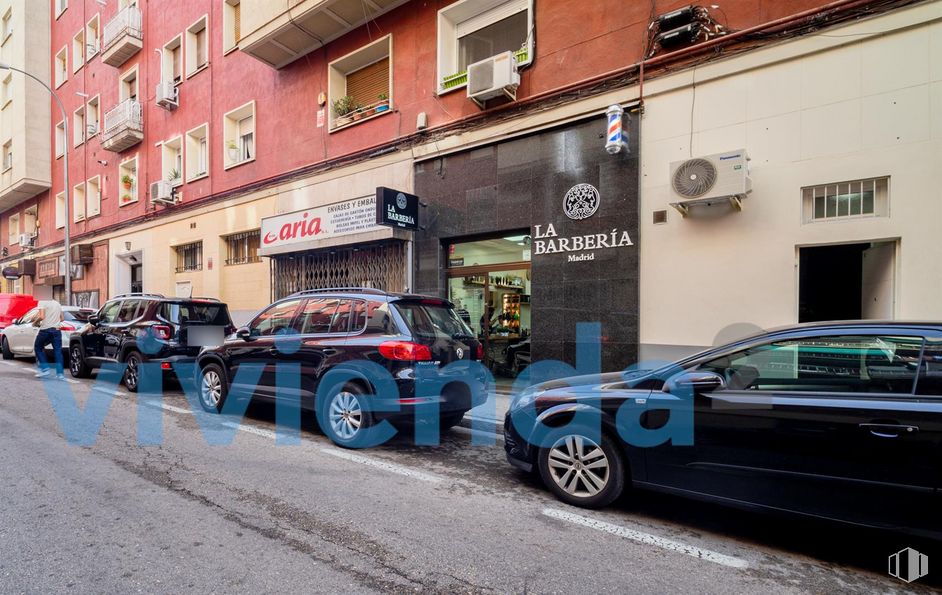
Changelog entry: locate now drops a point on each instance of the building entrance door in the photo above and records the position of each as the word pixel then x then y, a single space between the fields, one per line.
pixel 489 283
pixel 847 282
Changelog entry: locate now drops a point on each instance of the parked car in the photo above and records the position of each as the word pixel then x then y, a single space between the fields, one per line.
pixel 13 306
pixel 18 338
pixel 401 333
pixel 117 331
pixel 834 420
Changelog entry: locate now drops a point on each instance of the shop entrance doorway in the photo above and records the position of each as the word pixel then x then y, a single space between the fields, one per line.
pixel 847 282
pixel 489 283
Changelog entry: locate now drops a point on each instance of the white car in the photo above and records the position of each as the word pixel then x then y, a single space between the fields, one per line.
pixel 18 338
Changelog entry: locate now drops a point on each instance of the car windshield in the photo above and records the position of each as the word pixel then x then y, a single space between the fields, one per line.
pixel 209 313
pixel 433 318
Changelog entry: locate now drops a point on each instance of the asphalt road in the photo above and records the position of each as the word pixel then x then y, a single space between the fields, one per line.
pixel 253 515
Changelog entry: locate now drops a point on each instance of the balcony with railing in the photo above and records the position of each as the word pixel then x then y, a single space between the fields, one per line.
pixel 122 37
pixel 124 126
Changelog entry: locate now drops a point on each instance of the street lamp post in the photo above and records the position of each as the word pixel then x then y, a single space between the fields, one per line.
pixel 65 176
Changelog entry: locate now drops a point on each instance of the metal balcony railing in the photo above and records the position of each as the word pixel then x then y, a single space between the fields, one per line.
pixel 126 22
pixel 123 120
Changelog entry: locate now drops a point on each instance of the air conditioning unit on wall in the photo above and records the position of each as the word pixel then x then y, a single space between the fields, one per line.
pixel 492 78
pixel 163 193
pixel 709 179
pixel 168 95
pixel 27 241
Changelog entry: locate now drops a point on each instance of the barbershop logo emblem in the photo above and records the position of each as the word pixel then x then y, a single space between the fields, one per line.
pixel 581 202
pixel 401 201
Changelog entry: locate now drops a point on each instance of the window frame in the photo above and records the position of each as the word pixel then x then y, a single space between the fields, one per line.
pixel 96 180
pixel 7 156
pixel 60 133
pixel 78 60
pixel 242 236
pixel 7 25
pixel 192 151
pixel 448 77
pixel 60 212
pixel 13 229
pixel 337 72
pixel 61 7
pixel 190 66
pixel 96 102
pixel 79 214
pixel 134 192
pixel 6 84
pixel 230 42
pixel 181 253
pixel 230 123
pixel 172 158
pixel 167 62
pixel 61 58
pixel 123 83
pixel 96 19
pixel 79 133
pixel 880 187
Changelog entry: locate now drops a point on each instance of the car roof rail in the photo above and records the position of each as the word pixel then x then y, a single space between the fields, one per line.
pixel 138 294
pixel 199 297
pixel 367 290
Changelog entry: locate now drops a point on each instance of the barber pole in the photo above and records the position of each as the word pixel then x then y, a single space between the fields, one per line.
pixel 616 138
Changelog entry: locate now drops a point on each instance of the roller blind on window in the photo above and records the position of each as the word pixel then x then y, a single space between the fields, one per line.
pixel 237 21
pixel 366 84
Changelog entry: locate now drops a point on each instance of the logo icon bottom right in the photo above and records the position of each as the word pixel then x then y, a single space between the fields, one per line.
pixel 908 565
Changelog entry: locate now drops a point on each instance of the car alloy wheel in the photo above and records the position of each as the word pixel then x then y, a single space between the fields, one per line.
pixel 75 361
pixel 578 466
pixel 345 415
pixel 211 389
pixel 133 371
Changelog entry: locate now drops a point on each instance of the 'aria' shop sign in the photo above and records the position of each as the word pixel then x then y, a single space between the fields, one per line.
pixel 319 223
pixel 397 209
pixel 581 202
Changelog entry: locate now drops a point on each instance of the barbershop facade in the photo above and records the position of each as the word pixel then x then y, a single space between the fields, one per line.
pixel 532 236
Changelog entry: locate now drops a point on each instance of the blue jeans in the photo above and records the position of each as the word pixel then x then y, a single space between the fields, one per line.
pixel 45 337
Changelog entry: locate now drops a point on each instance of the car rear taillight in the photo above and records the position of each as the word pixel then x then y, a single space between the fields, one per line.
pixel 479 352
pixel 66 326
pixel 405 351
pixel 162 331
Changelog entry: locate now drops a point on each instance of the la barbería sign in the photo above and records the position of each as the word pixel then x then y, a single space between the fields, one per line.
pixel 320 223
pixel 581 202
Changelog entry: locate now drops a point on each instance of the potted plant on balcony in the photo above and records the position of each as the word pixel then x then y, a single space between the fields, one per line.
pixel 233 150
pixel 174 176
pixel 125 198
pixel 343 107
pixel 383 104
pixel 127 181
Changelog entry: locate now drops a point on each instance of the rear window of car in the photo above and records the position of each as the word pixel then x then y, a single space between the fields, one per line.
pixel 72 316
pixel 208 313
pixel 432 319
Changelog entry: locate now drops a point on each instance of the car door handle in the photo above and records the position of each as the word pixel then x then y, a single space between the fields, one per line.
pixel 889 430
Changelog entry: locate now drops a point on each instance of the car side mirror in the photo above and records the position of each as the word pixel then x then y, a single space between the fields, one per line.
pixel 16 321
pixel 93 319
pixel 244 333
pixel 698 382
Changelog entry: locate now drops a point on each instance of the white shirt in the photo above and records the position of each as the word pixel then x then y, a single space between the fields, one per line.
pixel 52 314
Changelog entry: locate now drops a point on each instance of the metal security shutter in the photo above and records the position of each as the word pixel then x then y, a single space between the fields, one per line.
pixel 381 266
pixel 366 84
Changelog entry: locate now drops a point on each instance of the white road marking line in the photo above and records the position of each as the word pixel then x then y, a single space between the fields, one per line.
pixel 489 420
pixel 391 467
pixel 250 429
pixel 648 539
pixel 109 391
pixel 173 408
pixel 473 432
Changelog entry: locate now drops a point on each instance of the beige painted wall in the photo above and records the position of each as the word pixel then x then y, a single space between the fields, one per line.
pixel 868 108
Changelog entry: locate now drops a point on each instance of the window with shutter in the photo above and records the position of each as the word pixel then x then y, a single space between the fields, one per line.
pixel 201 48
pixel 237 21
pixel 368 83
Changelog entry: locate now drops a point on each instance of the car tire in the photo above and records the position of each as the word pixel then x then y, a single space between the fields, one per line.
pixel 7 354
pixel 581 472
pixel 449 420
pixel 133 371
pixel 213 388
pixel 77 366
pixel 343 418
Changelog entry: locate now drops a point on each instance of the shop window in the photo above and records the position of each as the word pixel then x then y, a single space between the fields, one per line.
pixel 231 24
pixel 474 30
pixel 239 130
pixel 6 26
pixel 189 257
pixel 92 117
pixel 171 153
pixel 6 95
pixel 93 196
pixel 78 203
pixel 60 139
pixel 197 153
pixel 92 37
pixel 13 229
pixel 127 182
pixel 360 84
pixel 242 248
pixel 8 155
pixel 197 46
pixel 31 220
pixel 78 126
pixel 62 66
pixel 78 50
pixel 60 210
pixel 171 67
pixel 127 88
pixel 860 198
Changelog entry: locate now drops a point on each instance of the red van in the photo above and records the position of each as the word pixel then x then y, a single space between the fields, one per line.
pixel 14 305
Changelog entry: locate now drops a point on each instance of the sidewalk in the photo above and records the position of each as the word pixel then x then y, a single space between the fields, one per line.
pixel 489 414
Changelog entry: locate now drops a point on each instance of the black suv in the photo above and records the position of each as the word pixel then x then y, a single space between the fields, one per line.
pixel 405 337
pixel 137 327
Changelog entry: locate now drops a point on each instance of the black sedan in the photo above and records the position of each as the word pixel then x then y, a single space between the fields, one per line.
pixel 832 420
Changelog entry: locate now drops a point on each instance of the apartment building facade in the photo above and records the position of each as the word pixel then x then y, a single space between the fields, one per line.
pixel 198 132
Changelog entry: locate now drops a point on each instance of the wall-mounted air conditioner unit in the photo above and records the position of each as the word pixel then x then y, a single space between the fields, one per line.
pixel 494 77
pixel 162 192
pixel 27 241
pixel 718 178
pixel 167 94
